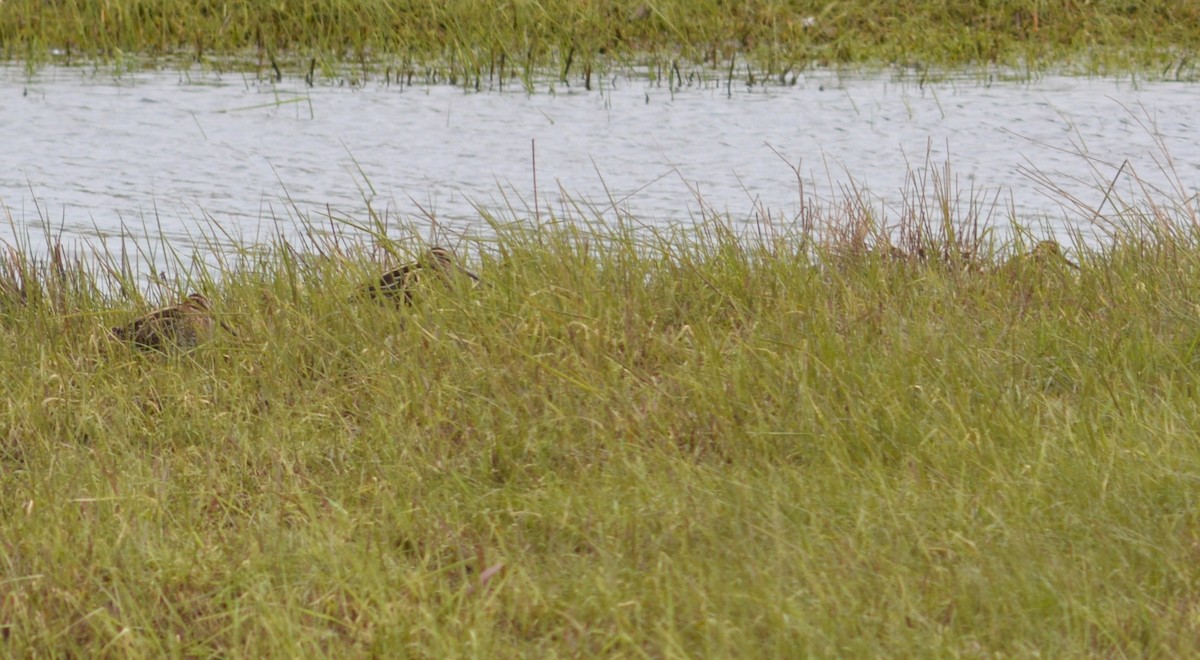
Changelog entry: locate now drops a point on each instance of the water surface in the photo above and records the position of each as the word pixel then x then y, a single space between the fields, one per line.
pixel 150 153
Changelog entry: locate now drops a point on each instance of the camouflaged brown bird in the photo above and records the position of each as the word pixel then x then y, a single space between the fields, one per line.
pixel 404 280
pixel 1050 252
pixel 183 326
pixel 1045 255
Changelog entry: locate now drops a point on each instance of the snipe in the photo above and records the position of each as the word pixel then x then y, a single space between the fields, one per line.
pixel 182 326
pixel 1045 255
pixel 403 281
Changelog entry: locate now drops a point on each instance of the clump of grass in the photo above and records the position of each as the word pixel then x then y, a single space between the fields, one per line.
pixel 687 441
pixel 474 42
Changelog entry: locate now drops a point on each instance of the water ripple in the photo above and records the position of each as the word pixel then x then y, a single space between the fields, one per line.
pixel 99 155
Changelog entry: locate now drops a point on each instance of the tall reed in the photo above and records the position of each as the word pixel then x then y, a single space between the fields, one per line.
pixel 692 440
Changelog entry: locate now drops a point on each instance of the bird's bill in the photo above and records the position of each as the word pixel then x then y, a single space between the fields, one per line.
pixel 1068 262
pixel 467 273
pixel 226 328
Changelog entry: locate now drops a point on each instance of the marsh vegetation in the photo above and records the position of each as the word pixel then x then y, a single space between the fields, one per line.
pixel 862 429
pixel 627 439
pixel 476 42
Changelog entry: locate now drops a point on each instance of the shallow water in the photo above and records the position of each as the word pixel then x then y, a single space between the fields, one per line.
pixel 150 153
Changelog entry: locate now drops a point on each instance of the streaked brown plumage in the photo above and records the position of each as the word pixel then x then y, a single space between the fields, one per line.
pixel 1048 252
pixel 403 280
pixel 1045 255
pixel 182 326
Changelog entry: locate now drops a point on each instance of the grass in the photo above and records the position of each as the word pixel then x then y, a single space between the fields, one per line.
pixel 474 42
pixel 628 442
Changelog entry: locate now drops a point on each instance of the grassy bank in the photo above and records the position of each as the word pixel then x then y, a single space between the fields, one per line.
pixel 623 443
pixel 469 41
